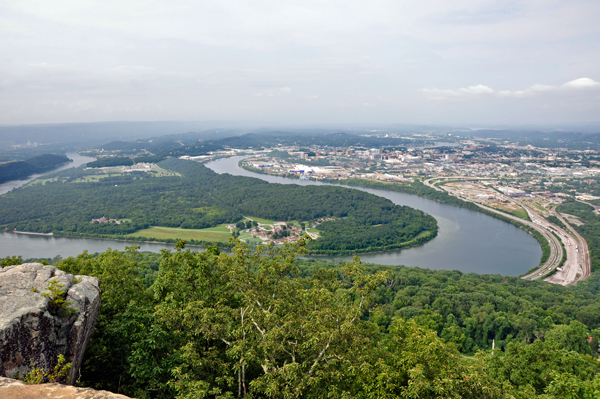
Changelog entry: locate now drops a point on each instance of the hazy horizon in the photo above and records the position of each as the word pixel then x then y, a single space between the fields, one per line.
pixel 295 63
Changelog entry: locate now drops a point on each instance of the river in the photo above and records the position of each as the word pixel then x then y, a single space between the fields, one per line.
pixel 78 160
pixel 468 241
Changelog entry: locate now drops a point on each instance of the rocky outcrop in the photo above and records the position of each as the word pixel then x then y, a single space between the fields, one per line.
pixel 32 333
pixel 13 389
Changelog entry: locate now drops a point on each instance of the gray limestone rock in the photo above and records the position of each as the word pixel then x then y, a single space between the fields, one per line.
pixel 32 337
pixel 13 389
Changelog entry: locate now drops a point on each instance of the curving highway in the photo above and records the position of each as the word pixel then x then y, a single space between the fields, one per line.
pixel 577 265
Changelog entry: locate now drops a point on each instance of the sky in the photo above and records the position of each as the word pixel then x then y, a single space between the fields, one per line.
pixel 300 62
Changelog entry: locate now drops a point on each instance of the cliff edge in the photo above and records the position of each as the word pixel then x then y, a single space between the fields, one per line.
pixel 32 332
pixel 13 389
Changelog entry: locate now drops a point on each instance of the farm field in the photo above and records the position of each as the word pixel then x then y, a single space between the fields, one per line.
pixel 215 234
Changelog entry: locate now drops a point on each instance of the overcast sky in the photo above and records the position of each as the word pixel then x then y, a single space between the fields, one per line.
pixel 280 61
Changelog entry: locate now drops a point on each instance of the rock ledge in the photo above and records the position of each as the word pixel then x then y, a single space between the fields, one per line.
pixel 13 389
pixel 31 337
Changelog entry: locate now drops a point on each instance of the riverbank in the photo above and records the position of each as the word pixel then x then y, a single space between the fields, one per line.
pixel 75 160
pixel 419 240
pixel 422 190
pixel 416 188
pixel 471 242
pixel 30 233
pixel 20 170
pixel 468 241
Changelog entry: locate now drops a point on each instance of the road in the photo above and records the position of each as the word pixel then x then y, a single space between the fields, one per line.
pixel 577 264
pixel 556 251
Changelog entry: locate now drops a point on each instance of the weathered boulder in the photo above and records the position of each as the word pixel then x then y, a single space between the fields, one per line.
pixel 13 389
pixel 30 335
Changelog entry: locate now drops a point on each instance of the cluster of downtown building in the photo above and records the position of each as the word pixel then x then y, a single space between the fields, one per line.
pixel 534 167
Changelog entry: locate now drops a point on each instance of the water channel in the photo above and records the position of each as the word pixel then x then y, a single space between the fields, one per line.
pixel 468 241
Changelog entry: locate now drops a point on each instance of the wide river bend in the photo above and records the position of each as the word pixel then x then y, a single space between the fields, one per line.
pixel 468 241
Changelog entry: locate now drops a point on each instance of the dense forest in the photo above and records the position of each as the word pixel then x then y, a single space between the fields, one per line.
pixel 590 229
pixel 267 325
pixel 199 198
pixel 19 170
pixel 110 161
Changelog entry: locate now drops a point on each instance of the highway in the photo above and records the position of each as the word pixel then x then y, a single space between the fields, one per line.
pixel 577 265
pixel 556 251
pixel 548 229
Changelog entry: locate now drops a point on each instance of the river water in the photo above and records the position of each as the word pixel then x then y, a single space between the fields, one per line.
pixel 467 241
pixel 78 160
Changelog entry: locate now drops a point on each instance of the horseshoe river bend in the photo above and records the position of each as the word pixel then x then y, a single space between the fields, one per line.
pixel 469 241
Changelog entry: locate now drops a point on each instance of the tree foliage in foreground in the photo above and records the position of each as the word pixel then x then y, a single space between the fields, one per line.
pixel 253 324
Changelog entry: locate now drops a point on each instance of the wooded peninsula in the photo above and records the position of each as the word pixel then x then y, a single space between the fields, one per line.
pixel 18 170
pixel 192 196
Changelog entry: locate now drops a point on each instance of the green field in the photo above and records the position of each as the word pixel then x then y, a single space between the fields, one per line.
pixel 218 233
pixel 214 234
pixel 247 237
pixel 96 175
pixel 158 170
pixel 95 178
pixel 521 213
pixel 41 181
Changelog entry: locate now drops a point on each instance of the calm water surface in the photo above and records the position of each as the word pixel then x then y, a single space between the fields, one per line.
pixel 468 241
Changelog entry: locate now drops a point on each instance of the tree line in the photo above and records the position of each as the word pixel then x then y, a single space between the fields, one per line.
pixel 19 170
pixel 267 325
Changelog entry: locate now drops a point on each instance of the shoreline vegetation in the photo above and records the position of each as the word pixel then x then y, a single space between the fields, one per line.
pixel 179 309
pixel 205 244
pixel 416 188
pixel 19 170
pixel 219 244
pixel 420 189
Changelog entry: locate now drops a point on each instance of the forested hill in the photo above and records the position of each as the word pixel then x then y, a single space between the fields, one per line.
pixel 199 198
pixel 167 146
pixel 19 170
pixel 189 324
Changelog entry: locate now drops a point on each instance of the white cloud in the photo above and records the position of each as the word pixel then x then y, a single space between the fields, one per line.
pixel 541 88
pixel 581 83
pixel 536 89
